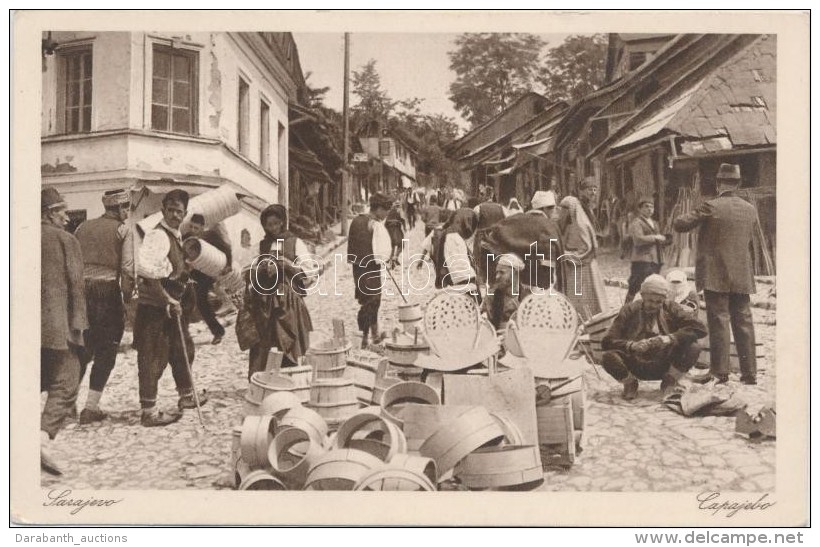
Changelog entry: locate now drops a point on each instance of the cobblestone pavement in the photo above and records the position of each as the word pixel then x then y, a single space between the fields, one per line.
pixel 630 446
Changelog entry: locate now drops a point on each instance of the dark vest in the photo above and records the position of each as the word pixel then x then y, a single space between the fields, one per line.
pixel 360 239
pixel 100 242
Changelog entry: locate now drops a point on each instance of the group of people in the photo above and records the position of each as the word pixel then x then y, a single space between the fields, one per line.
pixel 498 256
pixel 494 257
pixel 88 278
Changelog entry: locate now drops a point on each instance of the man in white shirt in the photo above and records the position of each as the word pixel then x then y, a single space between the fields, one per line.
pixel 368 250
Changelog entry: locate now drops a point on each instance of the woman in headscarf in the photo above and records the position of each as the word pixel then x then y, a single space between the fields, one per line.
pixel 275 297
pixel 455 269
pixel 584 285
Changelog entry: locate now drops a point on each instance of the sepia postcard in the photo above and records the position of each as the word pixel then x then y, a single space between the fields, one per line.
pixel 484 268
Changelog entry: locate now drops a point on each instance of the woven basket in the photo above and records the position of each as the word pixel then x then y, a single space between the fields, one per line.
pixel 451 324
pixel 545 328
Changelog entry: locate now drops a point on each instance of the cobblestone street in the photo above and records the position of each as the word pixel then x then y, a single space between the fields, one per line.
pixel 630 446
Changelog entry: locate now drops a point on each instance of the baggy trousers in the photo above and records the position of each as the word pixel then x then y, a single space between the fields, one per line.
pixel 619 364
pixel 157 340
pixel 106 319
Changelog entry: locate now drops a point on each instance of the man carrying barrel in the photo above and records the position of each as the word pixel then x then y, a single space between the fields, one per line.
pixel 164 304
pixel 217 237
pixel 101 240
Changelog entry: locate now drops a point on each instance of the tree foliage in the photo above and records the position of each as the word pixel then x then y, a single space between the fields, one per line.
pixel 374 102
pixel 492 70
pixel 575 68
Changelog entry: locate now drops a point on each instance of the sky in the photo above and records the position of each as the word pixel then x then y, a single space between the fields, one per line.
pixel 410 65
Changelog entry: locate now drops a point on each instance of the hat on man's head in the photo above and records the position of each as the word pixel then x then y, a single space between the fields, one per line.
pixel 379 200
pixel 589 182
pixel 728 171
pixel 645 199
pixel 655 284
pixel 543 198
pixel 50 198
pixel 114 198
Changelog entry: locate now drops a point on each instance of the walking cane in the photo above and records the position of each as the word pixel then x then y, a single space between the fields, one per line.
pixel 396 284
pixel 190 372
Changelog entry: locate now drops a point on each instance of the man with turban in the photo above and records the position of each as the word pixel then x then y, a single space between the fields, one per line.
pixel 653 338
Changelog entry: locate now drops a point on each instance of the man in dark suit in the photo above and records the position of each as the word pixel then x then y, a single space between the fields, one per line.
pixel 724 270
pixel 62 322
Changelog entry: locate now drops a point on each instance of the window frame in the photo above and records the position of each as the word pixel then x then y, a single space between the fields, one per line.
pixel 193 110
pixel 62 122
pixel 264 136
pixel 243 145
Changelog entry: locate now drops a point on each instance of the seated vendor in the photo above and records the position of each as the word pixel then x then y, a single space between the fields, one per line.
pixel 653 338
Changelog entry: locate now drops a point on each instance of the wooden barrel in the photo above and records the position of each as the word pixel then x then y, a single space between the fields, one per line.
pixel 251 407
pixel 277 404
pixel 336 413
pixel 332 390
pixel 264 383
pixel 307 420
pixel 406 392
pixel 236 444
pixel 301 377
pixel 392 479
pixel 233 281
pixel 340 469
pixel 384 379
pixel 365 425
pixel 417 464
pixel 328 362
pixel 257 434
pixel 261 480
pixel 201 255
pixel 215 205
pixel 291 455
pixel 458 437
pixel 500 466
pixel 362 366
pixel 410 312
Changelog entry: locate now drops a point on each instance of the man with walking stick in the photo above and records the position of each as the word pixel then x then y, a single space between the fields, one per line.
pixel 161 326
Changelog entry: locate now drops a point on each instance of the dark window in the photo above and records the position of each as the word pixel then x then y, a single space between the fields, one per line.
pixel 173 96
pixel 264 136
pixel 78 69
pixel 243 134
pixel 384 148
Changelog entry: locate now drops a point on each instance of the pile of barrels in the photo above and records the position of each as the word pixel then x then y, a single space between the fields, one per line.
pixel 409 441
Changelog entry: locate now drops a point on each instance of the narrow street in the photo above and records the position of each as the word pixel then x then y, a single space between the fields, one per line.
pixel 630 446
